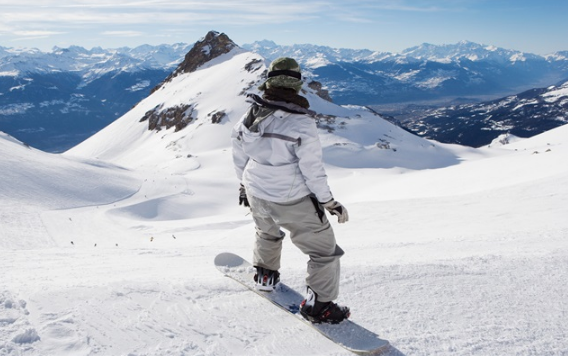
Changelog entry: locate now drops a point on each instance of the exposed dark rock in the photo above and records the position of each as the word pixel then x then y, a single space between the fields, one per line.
pixel 217 117
pixel 253 65
pixel 211 46
pixel 322 93
pixel 177 116
pixel 326 122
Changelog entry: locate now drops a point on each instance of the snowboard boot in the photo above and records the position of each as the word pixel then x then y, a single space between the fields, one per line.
pixel 266 279
pixel 322 312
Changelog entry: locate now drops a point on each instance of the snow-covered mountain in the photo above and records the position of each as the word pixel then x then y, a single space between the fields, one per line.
pixel 90 64
pixel 108 249
pixel 55 100
pixel 311 56
pixel 195 109
pixel 526 114
pixel 467 50
pixel 425 72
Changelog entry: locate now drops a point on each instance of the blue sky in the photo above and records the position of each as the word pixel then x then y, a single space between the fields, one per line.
pixel 539 27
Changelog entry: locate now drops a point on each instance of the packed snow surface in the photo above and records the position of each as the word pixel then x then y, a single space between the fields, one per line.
pixel 108 249
pixel 469 259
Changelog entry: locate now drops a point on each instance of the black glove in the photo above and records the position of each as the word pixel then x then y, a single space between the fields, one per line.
pixel 335 208
pixel 243 200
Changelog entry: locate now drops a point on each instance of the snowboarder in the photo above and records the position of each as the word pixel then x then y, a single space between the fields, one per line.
pixel 278 159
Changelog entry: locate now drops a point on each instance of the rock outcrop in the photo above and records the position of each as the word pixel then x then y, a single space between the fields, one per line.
pixel 320 91
pixel 211 46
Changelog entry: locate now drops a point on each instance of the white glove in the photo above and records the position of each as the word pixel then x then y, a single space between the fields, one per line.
pixel 335 208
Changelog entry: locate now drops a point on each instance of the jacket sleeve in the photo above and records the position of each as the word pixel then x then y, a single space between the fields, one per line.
pixel 240 158
pixel 310 161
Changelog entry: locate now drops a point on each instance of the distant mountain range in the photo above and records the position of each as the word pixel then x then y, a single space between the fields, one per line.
pixel 54 100
pixel 425 72
pixel 524 115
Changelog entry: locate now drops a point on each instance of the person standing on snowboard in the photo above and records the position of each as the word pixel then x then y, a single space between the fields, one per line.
pixel 278 159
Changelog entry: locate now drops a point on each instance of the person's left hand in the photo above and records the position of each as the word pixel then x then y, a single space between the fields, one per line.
pixel 243 199
pixel 335 208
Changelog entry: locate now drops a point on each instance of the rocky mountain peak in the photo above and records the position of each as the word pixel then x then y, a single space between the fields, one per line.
pixel 209 47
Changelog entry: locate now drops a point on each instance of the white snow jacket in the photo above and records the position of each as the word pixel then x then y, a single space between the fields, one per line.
pixel 279 157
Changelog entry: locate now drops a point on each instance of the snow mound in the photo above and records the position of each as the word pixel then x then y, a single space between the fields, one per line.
pixel 54 181
pixel 33 181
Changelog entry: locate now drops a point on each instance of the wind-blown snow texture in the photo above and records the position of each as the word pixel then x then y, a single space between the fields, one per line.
pixel 108 249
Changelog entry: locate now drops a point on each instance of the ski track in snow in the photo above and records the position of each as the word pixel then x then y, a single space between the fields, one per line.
pixel 446 294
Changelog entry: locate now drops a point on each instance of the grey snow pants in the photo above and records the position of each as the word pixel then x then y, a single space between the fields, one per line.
pixel 310 233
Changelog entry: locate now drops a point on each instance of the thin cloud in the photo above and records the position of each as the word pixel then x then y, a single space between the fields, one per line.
pixel 37 33
pixel 413 5
pixel 96 22
pixel 173 12
pixel 122 33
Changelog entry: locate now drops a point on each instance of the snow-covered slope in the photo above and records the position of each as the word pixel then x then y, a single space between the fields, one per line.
pixel 449 250
pixel 33 181
pixel 210 89
pixel 469 259
pixel 27 173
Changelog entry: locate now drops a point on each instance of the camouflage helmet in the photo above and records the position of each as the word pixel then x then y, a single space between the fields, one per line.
pixel 283 72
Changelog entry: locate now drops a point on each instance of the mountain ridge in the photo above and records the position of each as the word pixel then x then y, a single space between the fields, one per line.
pixel 170 55
pixel 525 114
pixel 423 72
pixel 57 99
pixel 194 112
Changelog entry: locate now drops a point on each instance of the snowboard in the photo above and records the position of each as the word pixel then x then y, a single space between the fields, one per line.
pixel 347 334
